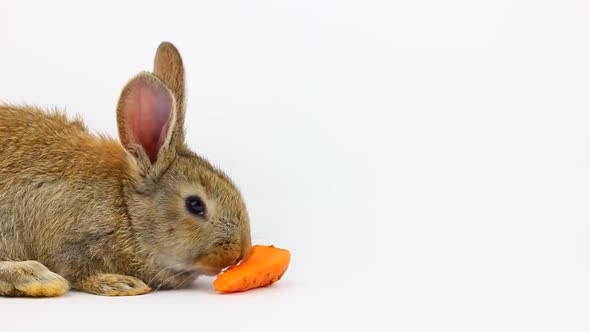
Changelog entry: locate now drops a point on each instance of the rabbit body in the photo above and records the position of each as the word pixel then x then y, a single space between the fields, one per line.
pixel 113 217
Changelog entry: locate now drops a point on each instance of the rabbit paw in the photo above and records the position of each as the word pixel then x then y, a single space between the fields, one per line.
pixel 113 285
pixel 30 278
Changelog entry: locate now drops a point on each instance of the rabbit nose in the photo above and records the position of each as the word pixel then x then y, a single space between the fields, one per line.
pixel 243 252
pixel 246 245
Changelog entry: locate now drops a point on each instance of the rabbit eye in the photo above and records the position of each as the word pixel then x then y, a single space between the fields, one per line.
pixel 195 205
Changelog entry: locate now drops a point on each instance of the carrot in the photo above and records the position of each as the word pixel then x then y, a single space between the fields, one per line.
pixel 264 266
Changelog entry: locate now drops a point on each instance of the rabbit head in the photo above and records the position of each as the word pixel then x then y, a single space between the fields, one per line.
pixel 184 213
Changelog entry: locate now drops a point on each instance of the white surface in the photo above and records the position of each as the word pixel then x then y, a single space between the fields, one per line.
pixel 426 162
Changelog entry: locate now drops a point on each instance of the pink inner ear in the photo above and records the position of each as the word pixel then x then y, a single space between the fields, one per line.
pixel 148 114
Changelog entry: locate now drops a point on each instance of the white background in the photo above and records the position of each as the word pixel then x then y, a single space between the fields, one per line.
pixel 426 162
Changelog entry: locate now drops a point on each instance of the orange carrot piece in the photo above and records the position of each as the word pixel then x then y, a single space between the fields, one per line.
pixel 264 266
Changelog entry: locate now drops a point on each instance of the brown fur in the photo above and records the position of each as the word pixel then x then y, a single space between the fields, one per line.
pixel 100 213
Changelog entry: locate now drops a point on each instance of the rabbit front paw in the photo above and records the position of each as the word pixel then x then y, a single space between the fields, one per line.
pixel 107 284
pixel 30 278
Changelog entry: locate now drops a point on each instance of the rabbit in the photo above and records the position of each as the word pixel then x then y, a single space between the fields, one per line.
pixel 114 217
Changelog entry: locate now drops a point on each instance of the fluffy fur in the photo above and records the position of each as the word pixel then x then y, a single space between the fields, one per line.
pixel 108 217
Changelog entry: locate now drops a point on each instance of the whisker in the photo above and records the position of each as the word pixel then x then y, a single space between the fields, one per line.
pixel 162 270
pixel 163 282
pixel 188 276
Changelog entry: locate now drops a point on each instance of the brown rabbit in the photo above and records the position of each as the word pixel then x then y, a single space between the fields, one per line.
pixel 110 217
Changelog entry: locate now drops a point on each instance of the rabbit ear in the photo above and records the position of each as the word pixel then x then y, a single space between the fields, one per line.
pixel 146 115
pixel 169 68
